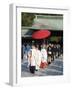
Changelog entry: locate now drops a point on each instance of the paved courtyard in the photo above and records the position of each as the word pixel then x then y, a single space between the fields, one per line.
pixel 55 68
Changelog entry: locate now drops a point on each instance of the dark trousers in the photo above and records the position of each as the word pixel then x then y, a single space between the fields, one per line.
pixel 32 69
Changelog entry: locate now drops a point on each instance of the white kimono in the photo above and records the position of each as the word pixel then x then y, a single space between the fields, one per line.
pixel 44 55
pixel 33 57
pixel 38 59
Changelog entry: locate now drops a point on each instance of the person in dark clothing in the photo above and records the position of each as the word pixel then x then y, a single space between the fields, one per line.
pixel 49 51
pixel 52 50
pixel 55 50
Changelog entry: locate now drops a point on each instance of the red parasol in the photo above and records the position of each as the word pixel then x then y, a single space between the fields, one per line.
pixel 41 34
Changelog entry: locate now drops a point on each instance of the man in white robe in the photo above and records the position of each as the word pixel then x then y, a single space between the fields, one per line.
pixel 32 59
pixel 38 58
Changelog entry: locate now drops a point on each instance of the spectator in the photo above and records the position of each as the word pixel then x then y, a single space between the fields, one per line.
pixel 49 50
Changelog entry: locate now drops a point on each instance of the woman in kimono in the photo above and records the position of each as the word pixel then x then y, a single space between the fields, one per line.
pixel 44 57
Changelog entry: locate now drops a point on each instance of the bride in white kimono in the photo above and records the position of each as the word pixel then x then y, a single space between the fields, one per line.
pixel 38 58
pixel 44 57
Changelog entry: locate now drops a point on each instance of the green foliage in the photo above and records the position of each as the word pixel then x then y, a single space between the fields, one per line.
pixel 55 38
pixel 27 19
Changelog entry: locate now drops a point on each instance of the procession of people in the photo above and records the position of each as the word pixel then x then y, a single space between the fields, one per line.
pixel 40 56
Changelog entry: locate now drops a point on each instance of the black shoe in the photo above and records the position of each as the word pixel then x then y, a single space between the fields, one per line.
pixel 36 70
pixel 49 62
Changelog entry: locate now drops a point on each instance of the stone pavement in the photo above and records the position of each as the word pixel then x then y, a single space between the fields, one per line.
pixel 55 68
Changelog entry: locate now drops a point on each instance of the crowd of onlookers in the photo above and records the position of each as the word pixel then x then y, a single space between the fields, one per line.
pixel 40 56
